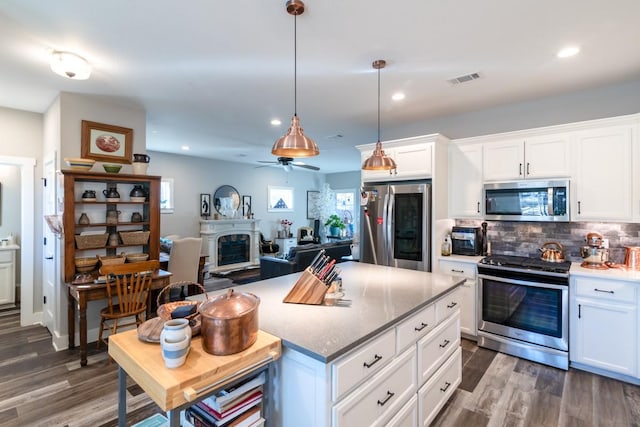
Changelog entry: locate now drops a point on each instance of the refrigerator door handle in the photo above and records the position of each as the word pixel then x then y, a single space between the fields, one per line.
pixel 389 230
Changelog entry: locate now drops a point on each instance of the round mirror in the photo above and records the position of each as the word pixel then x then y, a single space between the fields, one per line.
pixel 226 200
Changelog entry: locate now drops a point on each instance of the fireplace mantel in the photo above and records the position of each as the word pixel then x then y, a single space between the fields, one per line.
pixel 212 230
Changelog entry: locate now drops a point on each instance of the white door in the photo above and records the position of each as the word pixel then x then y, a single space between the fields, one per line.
pixel 49 250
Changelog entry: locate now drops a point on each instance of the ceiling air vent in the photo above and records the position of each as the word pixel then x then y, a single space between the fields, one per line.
pixel 463 79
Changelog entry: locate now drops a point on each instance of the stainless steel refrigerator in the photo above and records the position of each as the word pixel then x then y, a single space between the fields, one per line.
pixel 396 225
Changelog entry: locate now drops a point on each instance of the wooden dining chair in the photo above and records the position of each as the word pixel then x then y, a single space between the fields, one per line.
pixel 127 293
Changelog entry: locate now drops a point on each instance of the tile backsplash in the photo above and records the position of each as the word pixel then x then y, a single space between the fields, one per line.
pixel 526 238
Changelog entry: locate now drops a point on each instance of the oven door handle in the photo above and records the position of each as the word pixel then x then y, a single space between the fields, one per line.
pixel 523 282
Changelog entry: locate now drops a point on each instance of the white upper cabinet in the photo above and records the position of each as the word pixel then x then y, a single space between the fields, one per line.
pixel 465 181
pixel 533 157
pixel 414 158
pixel 603 189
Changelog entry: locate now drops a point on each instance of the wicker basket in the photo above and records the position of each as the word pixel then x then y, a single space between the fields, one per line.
pixel 84 265
pixel 91 241
pixel 134 237
pixel 136 257
pixel 164 310
pixel 111 259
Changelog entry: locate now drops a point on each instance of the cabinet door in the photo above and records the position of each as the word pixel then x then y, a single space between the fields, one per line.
pixel 604 335
pixel 603 174
pixel 503 160
pixel 465 181
pixel 414 161
pixel 467 292
pixel 547 156
pixel 7 283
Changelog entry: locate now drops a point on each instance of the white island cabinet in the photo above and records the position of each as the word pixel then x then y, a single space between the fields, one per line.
pixel 8 274
pixel 389 354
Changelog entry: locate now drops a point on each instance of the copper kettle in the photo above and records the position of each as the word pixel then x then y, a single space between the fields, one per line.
pixel 552 252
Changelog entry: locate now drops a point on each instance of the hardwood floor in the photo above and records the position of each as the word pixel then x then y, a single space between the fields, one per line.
pixel 42 387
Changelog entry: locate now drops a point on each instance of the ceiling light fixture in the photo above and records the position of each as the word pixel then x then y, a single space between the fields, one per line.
pixel 379 160
pixel 70 65
pixel 276 122
pixel 294 143
pixel 568 52
pixel 398 96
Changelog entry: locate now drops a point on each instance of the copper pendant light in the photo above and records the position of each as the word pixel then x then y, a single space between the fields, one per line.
pixel 379 160
pixel 295 143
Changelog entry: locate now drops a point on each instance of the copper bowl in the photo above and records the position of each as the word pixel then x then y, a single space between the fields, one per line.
pixel 229 323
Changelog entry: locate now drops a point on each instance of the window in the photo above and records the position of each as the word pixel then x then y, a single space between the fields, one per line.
pixel 166 195
pixel 347 210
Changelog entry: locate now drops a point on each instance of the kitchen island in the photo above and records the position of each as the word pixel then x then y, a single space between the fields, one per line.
pixel 378 357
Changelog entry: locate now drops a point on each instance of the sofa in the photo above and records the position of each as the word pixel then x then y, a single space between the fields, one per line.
pixel 299 258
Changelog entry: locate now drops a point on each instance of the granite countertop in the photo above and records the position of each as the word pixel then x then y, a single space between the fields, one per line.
pixel 380 297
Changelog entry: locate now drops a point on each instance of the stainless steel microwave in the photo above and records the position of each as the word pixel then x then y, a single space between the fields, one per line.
pixel 527 201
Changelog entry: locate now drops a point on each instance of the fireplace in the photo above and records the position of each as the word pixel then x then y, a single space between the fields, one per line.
pixel 232 244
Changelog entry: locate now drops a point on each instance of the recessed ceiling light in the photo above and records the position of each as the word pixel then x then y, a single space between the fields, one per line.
pixel 568 52
pixel 185 147
pixel 276 122
pixel 398 96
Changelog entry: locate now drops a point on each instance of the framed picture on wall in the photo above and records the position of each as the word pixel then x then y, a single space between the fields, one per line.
pixel 106 143
pixel 205 204
pixel 280 199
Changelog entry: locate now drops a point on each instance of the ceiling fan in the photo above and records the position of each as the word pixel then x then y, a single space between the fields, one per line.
pixel 287 163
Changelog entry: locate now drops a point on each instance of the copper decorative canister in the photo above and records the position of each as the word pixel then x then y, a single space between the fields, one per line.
pixel 229 322
pixel 632 257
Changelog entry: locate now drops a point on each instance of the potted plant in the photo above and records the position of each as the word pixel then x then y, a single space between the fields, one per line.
pixel 335 224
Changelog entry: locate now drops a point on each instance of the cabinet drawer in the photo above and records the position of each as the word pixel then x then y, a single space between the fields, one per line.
pixel 437 346
pixel 435 393
pixel 6 256
pixel 448 304
pixel 614 290
pixel 373 403
pixel 415 327
pixel 362 363
pixel 407 416
pixel 457 268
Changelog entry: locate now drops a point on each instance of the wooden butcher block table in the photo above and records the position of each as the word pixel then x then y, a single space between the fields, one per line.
pixel 202 375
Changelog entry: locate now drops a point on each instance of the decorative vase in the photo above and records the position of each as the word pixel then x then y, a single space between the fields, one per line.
pixel 84 219
pixel 334 231
pixel 175 340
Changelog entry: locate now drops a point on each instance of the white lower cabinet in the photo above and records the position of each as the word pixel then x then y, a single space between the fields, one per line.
pixel 7 277
pixel 375 402
pixel 434 393
pixel 604 325
pixel 385 381
pixel 467 292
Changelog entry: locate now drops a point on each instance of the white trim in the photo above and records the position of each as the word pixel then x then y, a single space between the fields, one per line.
pixel 27 237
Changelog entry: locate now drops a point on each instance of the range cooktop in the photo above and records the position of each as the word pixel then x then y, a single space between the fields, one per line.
pixel 521 263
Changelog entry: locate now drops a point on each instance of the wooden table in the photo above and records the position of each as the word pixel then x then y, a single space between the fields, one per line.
pixel 79 295
pixel 202 375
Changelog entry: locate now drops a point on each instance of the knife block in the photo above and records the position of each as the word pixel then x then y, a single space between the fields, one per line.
pixel 308 289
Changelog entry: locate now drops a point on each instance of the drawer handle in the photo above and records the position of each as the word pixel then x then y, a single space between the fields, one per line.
pixel 457 271
pixel 453 304
pixel 422 326
pixel 446 386
pixel 376 359
pixel 606 292
pixel 386 399
pixel 445 343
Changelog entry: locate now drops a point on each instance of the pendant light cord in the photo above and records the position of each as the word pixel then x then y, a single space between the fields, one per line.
pixel 295 65
pixel 378 104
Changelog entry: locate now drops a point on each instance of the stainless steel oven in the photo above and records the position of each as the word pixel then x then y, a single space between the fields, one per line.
pixel 523 308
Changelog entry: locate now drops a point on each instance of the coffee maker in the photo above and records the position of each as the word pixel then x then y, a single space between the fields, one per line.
pixel 594 255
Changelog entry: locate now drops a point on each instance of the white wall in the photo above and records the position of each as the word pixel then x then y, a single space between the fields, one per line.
pixel 193 176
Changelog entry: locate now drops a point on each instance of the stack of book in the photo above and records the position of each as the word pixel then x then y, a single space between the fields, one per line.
pixel 238 406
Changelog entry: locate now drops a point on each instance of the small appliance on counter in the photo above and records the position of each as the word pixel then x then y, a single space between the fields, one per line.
pixel 466 241
pixel 595 255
